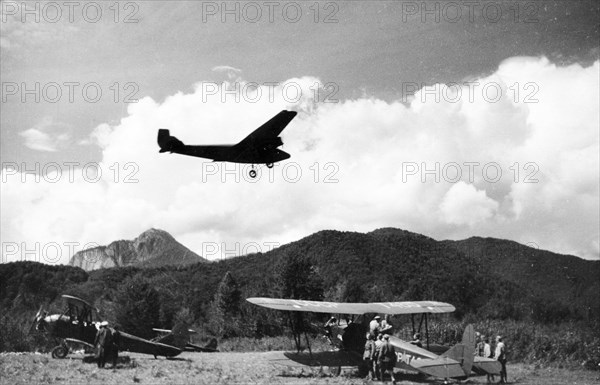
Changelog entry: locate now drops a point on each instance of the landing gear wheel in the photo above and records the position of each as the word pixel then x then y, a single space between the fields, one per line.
pixel 252 174
pixel 270 165
pixel 335 370
pixel 59 352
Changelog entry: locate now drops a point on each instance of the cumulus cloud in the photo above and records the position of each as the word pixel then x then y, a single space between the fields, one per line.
pixel 464 204
pixel 231 72
pixel 46 136
pixel 449 167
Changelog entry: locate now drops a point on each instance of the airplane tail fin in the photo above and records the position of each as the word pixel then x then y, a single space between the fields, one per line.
pixel 212 344
pixel 464 351
pixel 166 142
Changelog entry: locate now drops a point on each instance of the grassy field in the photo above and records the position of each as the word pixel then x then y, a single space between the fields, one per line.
pixel 227 368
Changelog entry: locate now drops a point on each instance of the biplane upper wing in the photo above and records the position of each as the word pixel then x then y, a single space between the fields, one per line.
pixel 353 308
pixel 270 130
pixel 78 302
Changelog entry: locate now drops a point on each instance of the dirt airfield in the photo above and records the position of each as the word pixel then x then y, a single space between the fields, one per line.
pixel 228 368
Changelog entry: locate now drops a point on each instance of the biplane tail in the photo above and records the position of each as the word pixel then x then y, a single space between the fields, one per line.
pixel 463 352
pixel 212 344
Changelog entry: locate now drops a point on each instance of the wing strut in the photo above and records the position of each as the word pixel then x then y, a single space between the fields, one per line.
pixel 426 330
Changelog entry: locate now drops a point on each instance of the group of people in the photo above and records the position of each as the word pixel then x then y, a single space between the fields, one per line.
pixel 484 349
pixel 107 344
pixel 379 355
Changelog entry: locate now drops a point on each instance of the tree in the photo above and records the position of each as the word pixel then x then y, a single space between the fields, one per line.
pixel 297 278
pixel 225 308
pixel 139 307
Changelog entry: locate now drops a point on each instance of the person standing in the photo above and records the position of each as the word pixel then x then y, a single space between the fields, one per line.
pixel 375 326
pixel 103 343
pixel 114 347
pixel 328 325
pixel 479 345
pixel 368 355
pixel 387 359
pixel 487 353
pixel 500 356
pixel 376 366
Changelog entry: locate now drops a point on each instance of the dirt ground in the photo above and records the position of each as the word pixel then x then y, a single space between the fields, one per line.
pixel 228 368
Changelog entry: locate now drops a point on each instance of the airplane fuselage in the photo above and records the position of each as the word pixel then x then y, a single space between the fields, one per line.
pixel 233 153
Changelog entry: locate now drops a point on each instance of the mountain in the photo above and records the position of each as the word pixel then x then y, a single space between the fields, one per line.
pixel 487 277
pixel 152 248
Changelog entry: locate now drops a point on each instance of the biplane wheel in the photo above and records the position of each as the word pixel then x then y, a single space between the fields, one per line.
pixel 270 165
pixel 335 370
pixel 252 174
pixel 59 352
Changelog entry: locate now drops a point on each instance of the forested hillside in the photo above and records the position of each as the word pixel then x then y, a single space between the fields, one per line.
pixel 485 279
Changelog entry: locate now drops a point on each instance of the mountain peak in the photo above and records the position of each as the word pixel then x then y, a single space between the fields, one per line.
pixel 152 248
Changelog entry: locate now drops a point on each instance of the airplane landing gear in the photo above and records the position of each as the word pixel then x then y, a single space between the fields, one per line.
pixel 270 165
pixel 252 173
pixel 60 351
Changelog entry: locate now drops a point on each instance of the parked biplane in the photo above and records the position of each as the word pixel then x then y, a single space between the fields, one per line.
pixel 260 147
pixel 456 362
pixel 77 325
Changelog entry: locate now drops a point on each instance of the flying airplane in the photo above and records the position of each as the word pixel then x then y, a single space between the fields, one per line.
pixel 456 362
pixel 260 147
pixel 76 325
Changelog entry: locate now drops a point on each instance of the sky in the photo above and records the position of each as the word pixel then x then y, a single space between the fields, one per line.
pixel 449 119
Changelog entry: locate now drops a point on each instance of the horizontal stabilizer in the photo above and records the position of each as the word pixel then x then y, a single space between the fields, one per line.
pixel 442 367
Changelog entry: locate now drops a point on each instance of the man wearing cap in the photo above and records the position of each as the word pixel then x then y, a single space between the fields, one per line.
pixel 375 326
pixel 103 342
pixel 500 355
pixel 387 358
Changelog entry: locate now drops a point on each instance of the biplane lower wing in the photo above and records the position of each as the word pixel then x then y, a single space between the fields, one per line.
pixel 414 358
pixel 353 308
pixel 139 345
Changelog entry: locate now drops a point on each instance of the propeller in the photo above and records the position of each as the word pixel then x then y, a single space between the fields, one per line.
pixel 36 319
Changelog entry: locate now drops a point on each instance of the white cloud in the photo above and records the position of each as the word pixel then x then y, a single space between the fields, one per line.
pixel 362 165
pixel 46 136
pixel 464 204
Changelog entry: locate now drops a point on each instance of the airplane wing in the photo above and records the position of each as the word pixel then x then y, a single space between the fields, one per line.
pixel 410 349
pixel 270 130
pixel 353 308
pixel 129 342
pixel 414 358
pixel 74 301
pixel 327 358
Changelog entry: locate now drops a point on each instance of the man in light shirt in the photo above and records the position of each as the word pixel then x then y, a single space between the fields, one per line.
pixel 500 356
